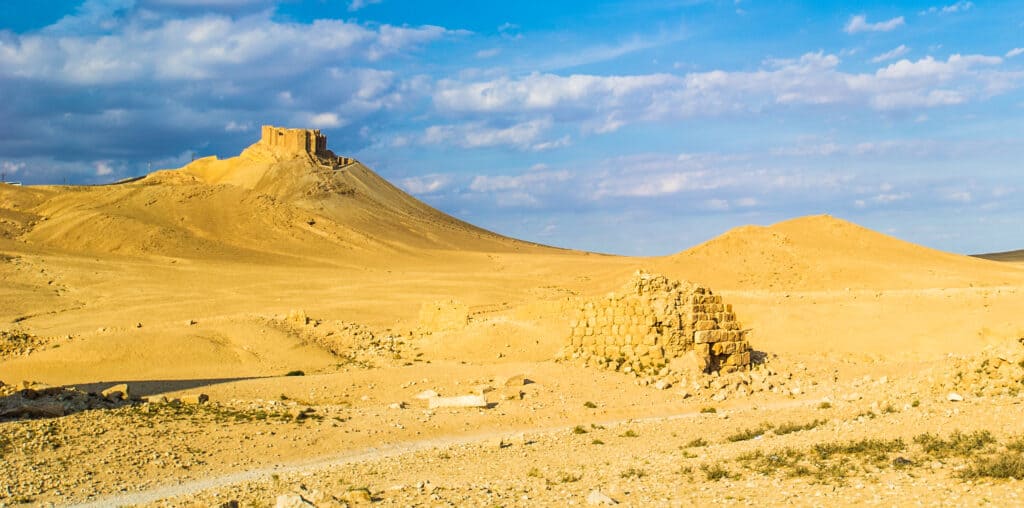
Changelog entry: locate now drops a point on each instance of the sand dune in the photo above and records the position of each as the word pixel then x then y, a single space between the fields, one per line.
pixel 824 252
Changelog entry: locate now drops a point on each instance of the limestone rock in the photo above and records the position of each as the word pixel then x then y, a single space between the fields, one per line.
pixel 116 392
pixel 460 401
pixel 358 496
pixel 426 395
pixel 195 398
pixel 954 397
pixel 291 501
pixel 516 381
pixel 596 497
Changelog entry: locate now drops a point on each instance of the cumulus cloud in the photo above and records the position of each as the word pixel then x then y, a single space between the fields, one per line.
pixel 103 168
pixel 896 52
pixel 526 135
pixel 128 81
pixel 859 23
pixel 202 48
pixel 607 103
pixel 426 184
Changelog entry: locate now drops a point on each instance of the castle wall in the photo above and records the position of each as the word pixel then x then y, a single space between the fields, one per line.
pixel 654 320
pixel 307 141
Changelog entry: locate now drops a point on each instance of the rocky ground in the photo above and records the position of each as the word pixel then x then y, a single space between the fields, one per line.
pixel 939 431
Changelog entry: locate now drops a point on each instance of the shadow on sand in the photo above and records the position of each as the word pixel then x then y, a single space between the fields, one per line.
pixel 56 401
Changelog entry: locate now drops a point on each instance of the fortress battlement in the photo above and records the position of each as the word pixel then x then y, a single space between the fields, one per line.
pixel 310 142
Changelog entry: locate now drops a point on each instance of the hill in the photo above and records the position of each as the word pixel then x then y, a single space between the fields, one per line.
pixel 274 201
pixel 1012 256
pixel 824 252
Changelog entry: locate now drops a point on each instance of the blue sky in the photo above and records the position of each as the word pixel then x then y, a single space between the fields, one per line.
pixel 633 127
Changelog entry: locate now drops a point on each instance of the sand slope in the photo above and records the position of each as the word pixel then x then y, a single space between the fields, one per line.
pixel 823 252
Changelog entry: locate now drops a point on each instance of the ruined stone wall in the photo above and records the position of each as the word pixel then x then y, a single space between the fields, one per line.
pixel 307 141
pixel 654 321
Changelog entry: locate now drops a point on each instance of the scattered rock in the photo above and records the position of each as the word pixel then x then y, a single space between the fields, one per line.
pixel 195 398
pixel 426 395
pixel 358 496
pixel 596 497
pixel 954 397
pixel 397 405
pixel 116 392
pixel 460 401
pixel 516 381
pixel 291 501
pixel 662 385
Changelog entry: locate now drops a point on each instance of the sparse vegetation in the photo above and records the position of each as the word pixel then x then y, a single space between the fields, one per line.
pixel 629 433
pixel 633 472
pixel 717 472
pixel 748 434
pixel 1005 465
pixel 589 405
pixel 579 430
pixel 959 444
pixel 534 473
pixel 697 443
pixel 597 442
pixel 825 405
pixel 708 410
pixel 791 427
pixel 295 373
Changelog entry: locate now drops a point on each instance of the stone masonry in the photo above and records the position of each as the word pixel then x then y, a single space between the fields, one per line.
pixel 655 323
pixel 308 142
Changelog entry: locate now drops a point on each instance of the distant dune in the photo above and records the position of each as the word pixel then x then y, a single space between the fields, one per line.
pixel 1011 256
pixel 824 252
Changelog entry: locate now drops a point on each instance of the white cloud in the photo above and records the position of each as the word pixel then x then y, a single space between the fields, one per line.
pixel 103 168
pixel 234 126
pixel 426 184
pixel 202 48
pixel 356 5
pixel 12 167
pixel 1014 52
pixel 523 135
pixel 488 53
pixel 324 120
pixel 859 23
pixel 607 103
pixel 891 54
pixel 960 6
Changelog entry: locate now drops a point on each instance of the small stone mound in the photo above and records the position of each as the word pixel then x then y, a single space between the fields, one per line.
pixel 655 323
pixel 996 371
pixel 36 400
pixel 19 343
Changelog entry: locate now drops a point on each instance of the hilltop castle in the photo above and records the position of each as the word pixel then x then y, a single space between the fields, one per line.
pixel 292 142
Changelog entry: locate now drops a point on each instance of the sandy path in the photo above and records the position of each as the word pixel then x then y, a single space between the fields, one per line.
pixel 375 453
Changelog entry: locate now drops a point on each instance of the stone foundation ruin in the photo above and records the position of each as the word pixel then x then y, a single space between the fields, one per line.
pixel 656 324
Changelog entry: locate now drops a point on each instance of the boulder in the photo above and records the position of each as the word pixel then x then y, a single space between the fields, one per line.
pixel 195 398
pixel 460 401
pixel 358 496
pixel 291 501
pixel 596 497
pixel 116 392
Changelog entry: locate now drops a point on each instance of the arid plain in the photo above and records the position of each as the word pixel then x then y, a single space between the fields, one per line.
pixel 281 318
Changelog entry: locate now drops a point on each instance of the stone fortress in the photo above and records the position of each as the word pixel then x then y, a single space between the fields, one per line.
pixel 655 324
pixel 298 142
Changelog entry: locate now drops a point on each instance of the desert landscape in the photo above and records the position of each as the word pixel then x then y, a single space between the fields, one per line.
pixel 287 328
